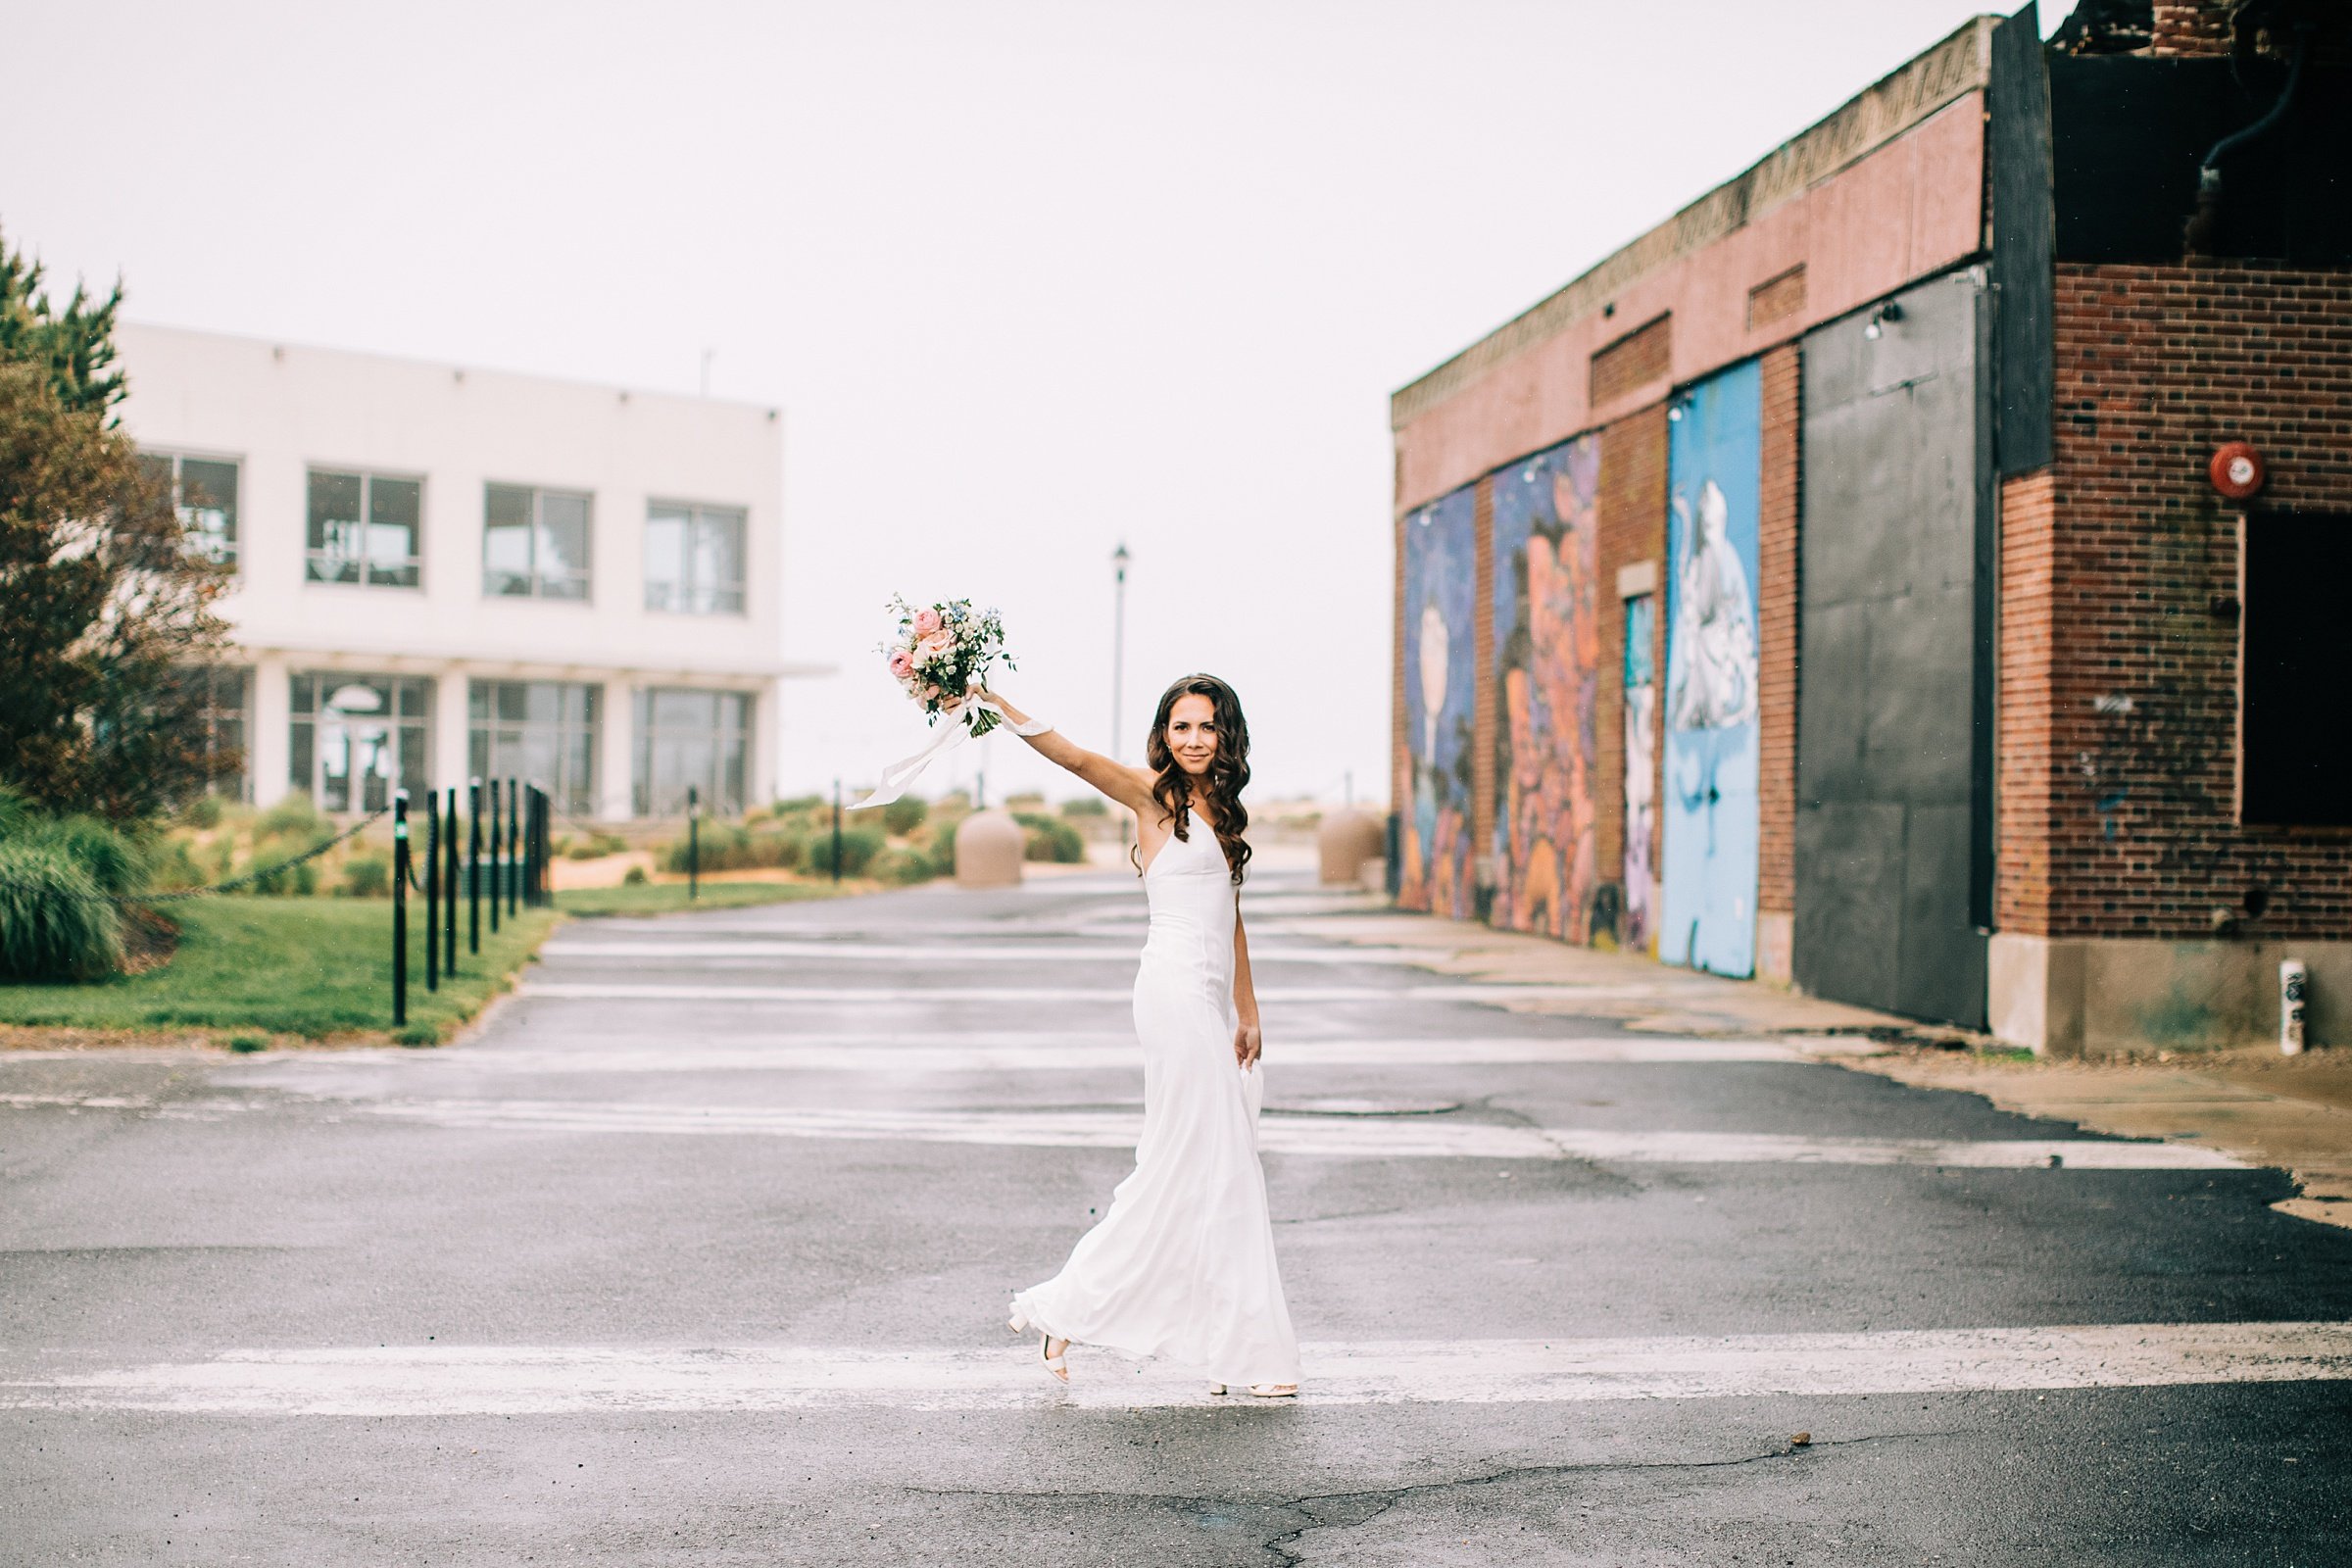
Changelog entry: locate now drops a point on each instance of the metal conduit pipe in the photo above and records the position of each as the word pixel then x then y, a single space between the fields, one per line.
pixel 2205 224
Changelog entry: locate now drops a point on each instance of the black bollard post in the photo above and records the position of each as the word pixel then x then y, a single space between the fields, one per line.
pixel 837 830
pixel 432 891
pixel 497 841
pixel 473 866
pixel 694 844
pixel 514 845
pixel 399 908
pixel 449 888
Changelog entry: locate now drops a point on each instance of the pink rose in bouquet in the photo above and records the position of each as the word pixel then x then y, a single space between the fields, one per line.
pixel 941 652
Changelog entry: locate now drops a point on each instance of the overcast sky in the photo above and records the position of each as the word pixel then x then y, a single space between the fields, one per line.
pixel 1028 279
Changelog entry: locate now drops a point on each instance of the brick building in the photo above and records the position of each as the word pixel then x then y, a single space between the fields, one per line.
pixel 1834 586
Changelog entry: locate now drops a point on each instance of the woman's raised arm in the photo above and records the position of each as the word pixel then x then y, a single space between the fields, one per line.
pixel 1131 787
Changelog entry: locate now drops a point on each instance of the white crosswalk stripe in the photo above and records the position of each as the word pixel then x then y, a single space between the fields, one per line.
pixel 1413 1137
pixel 866 1055
pixel 515 1380
pixel 738 995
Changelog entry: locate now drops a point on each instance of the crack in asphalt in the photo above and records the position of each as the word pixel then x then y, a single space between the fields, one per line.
pixel 1387 1498
pixel 1348 1511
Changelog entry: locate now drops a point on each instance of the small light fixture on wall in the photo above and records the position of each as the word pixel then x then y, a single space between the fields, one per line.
pixel 1880 315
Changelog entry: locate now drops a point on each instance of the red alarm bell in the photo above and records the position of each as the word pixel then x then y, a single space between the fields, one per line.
pixel 2237 470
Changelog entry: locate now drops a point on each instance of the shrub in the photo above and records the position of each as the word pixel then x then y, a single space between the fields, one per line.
pixel 54 922
pixel 295 813
pixel 903 866
pixel 243 1043
pixel 941 852
pixel 800 803
pixel 1086 805
pixel 367 876
pixel 859 847
pixel 1027 800
pixel 273 851
pixel 202 814
pixel 112 861
pixel 1049 838
pixel 419 1034
pixel 905 814
pixel 593 847
pixel 172 865
pixel 633 876
pixel 726 847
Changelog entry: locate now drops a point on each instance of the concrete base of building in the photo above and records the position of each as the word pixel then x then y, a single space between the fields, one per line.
pixel 2108 996
pixel 1776 947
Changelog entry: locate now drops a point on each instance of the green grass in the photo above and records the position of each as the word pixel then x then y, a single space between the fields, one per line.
pixel 311 967
pixel 665 897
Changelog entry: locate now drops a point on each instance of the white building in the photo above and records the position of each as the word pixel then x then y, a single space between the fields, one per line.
pixel 445 573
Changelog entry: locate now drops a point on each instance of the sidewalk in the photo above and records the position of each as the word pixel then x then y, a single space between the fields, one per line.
pixel 2294 1112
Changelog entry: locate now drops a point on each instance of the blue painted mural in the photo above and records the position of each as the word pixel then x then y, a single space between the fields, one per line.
pixel 1714 464
pixel 1440 664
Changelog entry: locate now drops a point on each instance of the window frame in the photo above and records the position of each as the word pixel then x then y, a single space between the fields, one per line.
pixel 534 576
pixel 577 798
pixel 646 733
pixel 178 458
pixel 312 555
pixel 696 511
pixel 324 682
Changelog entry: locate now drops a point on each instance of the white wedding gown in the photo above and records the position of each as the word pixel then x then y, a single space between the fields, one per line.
pixel 1182 1265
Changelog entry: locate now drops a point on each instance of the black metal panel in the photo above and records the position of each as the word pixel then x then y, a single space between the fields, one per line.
pixel 2127 135
pixel 1891 651
pixel 2017 157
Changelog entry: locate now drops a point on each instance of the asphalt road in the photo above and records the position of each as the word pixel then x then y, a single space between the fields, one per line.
pixel 699 1253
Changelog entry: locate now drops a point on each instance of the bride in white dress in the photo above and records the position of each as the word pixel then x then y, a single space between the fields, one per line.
pixel 1182 1265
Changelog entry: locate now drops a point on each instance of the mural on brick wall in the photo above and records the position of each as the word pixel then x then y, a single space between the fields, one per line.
pixel 1441 656
pixel 1547 667
pixel 1709 814
pixel 1638 927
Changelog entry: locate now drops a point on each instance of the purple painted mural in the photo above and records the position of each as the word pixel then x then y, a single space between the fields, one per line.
pixel 1548 668
pixel 1441 658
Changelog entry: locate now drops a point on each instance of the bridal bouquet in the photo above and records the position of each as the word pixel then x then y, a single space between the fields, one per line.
pixel 941 657
pixel 942 652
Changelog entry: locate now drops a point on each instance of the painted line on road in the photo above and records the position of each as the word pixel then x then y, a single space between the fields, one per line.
pixel 1422 1138
pixel 869 1055
pixel 946 955
pixel 551 1379
pixel 671 995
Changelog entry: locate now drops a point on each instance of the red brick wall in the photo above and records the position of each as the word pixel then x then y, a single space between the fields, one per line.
pixel 1775 634
pixel 1632 528
pixel 2193 28
pixel 2030 766
pixel 2120 690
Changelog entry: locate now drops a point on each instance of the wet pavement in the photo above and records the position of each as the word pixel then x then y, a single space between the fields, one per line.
pixel 699 1250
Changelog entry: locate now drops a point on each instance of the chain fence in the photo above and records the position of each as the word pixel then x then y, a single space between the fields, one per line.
pixel 182 895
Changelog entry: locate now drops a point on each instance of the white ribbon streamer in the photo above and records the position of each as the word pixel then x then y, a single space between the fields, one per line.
pixel 898 775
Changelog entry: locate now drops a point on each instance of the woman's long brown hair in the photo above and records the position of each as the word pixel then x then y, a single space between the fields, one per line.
pixel 1228 770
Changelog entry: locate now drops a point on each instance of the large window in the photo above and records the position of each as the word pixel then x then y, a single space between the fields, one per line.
pixel 203 491
pixel 223 696
pixel 357 738
pixel 539 731
pixel 534 543
pixel 365 528
pixel 690 738
pixel 2293 758
pixel 694 559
